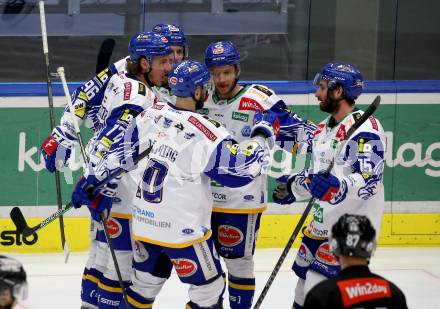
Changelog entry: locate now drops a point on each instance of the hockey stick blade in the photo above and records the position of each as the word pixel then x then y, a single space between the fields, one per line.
pixel 19 220
pixel 104 55
pixel 370 110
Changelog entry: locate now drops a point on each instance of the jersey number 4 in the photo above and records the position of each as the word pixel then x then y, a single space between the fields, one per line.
pixel 152 181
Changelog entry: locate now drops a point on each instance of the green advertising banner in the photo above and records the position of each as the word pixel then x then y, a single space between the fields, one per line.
pixel 412 166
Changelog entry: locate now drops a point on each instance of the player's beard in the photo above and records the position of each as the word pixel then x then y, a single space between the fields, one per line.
pixel 227 93
pixel 330 105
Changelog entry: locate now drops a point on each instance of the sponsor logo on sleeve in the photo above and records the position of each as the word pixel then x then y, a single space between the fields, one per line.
pixel 229 236
pixel 127 91
pixel 199 125
pixel 360 290
pixel 304 256
pixel 248 104
pixel 184 267
pixel 374 123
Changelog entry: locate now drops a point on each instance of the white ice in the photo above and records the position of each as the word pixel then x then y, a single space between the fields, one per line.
pixel 53 284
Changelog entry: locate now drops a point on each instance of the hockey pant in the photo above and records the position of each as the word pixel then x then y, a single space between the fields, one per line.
pixel 314 263
pixel 235 236
pixel 95 266
pixel 109 290
pixel 197 265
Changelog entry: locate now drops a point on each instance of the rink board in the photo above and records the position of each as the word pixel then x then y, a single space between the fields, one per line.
pixel 412 174
pixel 274 233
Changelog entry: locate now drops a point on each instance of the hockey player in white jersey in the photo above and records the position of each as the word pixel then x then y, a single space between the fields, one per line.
pixel 172 198
pixel 87 100
pixel 107 124
pixel 13 284
pixel 125 97
pixel 354 184
pixel 237 212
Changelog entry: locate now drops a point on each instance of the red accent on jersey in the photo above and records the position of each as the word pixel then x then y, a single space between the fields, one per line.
pixel 184 267
pixel 49 145
pixel 341 134
pixel 127 91
pixel 199 125
pixel 157 106
pixel 374 123
pixel 276 127
pixel 248 104
pixel 114 228
pixel 324 255
pixel 359 290
pixel 319 129
pixel 229 236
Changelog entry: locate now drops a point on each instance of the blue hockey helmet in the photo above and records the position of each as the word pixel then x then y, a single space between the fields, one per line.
pixel 353 235
pixel 344 74
pixel 221 53
pixel 148 44
pixel 186 77
pixel 174 34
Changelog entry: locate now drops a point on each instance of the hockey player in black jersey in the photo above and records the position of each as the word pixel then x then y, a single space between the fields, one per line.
pixel 353 241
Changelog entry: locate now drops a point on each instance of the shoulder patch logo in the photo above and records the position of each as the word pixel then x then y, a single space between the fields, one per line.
pixel 264 90
pixel 142 90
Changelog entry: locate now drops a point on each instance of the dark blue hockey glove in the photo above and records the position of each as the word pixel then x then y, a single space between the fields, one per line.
pixel 97 202
pixel 281 195
pixel 324 186
pixel 55 154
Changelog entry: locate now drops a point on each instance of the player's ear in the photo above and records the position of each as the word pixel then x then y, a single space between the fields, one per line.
pixel 198 93
pixel 144 64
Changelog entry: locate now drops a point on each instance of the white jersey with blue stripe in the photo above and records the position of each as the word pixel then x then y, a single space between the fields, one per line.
pixel 359 166
pixel 237 115
pixel 172 203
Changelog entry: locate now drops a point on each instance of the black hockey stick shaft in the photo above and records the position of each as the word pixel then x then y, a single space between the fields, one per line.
pixel 51 115
pixel 20 222
pixel 104 55
pixel 370 110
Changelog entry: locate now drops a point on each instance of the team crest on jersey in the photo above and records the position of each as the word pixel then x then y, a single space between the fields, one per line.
pixel 184 267
pixel 248 104
pixel 114 228
pixel 229 236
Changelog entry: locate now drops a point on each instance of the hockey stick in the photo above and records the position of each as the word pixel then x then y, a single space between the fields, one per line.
pixel 104 55
pixel 371 109
pixel 52 122
pixel 60 71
